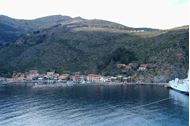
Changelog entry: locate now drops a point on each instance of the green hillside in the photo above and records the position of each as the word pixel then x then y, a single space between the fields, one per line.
pixel 96 46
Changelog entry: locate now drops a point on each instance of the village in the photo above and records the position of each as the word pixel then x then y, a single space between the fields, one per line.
pixel 52 77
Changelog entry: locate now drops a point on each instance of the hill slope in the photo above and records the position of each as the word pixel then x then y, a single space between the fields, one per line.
pixel 96 46
pixel 11 29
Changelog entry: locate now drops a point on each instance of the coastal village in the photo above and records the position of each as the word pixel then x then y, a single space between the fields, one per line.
pixel 76 77
pixel 52 77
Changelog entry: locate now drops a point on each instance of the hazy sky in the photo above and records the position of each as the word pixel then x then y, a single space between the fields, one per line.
pixel 134 13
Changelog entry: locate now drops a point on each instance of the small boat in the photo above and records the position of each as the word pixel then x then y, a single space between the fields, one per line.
pixel 181 85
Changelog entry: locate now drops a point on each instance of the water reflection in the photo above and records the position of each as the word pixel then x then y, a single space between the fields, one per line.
pixel 178 97
pixel 92 105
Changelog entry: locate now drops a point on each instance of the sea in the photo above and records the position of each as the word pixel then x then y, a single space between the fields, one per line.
pixel 93 105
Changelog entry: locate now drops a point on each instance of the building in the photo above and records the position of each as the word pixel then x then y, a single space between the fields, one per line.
pixel 56 76
pixel 32 74
pixel 105 79
pixel 133 65
pixel 128 67
pixel 19 76
pixel 143 67
pixel 130 79
pixel 78 77
pixel 50 75
pixel 113 79
pixel 93 78
pixel 120 78
pixel 120 66
pixel 63 77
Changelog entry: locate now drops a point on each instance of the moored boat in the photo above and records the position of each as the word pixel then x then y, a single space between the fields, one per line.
pixel 181 85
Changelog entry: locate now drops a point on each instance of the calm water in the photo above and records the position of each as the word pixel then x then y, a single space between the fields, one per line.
pixel 93 106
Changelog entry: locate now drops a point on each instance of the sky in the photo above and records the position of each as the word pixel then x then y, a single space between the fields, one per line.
pixel 161 14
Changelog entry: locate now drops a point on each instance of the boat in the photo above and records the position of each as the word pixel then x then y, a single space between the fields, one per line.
pixel 181 85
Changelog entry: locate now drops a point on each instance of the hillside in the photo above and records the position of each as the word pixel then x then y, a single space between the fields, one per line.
pixel 11 29
pixel 96 46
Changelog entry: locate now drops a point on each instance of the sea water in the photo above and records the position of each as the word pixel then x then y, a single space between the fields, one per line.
pixel 93 105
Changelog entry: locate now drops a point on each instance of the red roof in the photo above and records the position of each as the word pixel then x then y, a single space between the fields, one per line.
pixel 143 65
pixel 93 75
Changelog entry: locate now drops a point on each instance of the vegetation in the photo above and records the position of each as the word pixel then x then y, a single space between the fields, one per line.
pixel 70 47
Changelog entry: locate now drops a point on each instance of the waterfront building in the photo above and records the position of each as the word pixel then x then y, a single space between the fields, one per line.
pixel 31 74
pixel 63 77
pixel 19 76
pixel 50 75
pixel 93 78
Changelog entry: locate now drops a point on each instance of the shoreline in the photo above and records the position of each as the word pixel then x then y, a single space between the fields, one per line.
pixel 35 85
pixel 94 84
